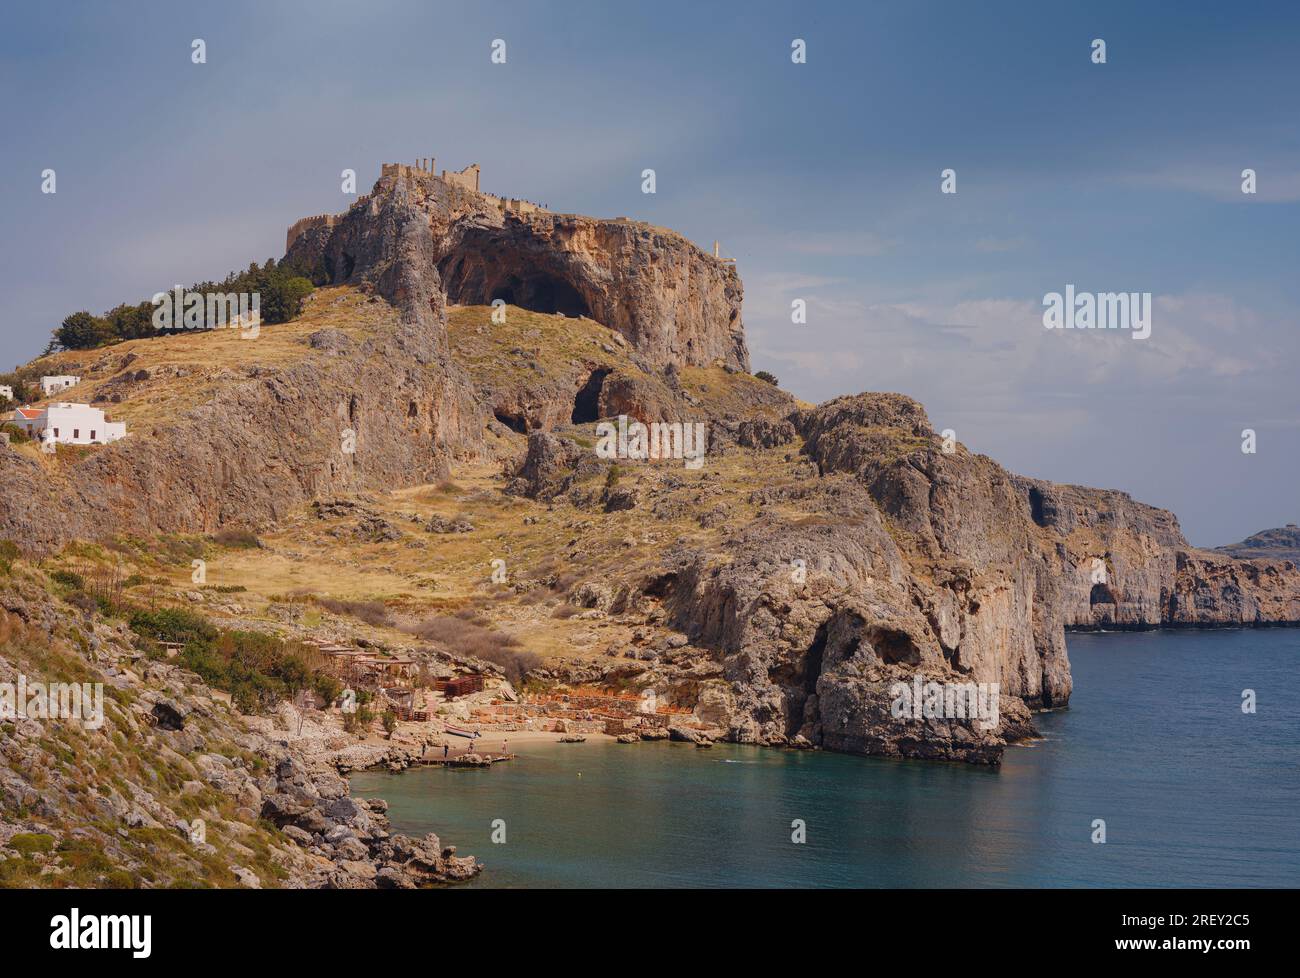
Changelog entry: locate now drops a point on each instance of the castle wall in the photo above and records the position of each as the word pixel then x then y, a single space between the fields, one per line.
pixel 298 227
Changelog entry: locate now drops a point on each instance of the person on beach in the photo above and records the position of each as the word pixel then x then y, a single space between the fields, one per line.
pixel 445 747
pixel 505 747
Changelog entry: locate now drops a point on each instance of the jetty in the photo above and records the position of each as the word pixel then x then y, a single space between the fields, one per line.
pixel 466 759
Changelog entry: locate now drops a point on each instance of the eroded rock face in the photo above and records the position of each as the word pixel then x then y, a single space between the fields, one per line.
pixel 672 301
pixel 943 566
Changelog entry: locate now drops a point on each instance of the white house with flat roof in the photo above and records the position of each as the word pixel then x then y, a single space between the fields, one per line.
pixel 69 424
pixel 6 392
pixel 52 385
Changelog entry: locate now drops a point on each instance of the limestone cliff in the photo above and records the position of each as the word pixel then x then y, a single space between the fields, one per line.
pixel 673 302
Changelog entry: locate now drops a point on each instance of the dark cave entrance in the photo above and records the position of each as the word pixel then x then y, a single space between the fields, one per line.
pixel 586 404
pixel 541 293
pixel 812 663
pixel 1036 506
pixel 1102 594
pixel 516 423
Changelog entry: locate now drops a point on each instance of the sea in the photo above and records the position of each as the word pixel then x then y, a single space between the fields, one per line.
pixel 1154 777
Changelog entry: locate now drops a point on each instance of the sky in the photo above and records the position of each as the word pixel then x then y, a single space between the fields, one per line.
pixel 822 179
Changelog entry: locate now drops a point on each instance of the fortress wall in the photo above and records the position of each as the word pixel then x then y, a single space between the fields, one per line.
pixel 298 227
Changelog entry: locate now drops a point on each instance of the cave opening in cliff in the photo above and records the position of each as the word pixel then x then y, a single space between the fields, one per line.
pixel 586 404
pixel 515 422
pixel 541 293
pixel 1036 506
pixel 812 662
pixel 1101 594
pixel 893 646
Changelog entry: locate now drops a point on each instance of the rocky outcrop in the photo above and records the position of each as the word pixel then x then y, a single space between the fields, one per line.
pixel 942 566
pixel 1124 564
pixel 1282 543
pixel 672 301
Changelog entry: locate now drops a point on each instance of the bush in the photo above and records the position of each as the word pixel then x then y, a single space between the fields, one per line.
pixel 358 721
pixel 8 554
pixel 238 538
pixel 371 612
pixel 767 377
pixel 69 579
pixel 86 602
pixel 172 625
pixel 16 435
pixel 30 842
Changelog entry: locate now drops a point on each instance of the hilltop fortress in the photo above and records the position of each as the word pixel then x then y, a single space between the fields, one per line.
pixel 674 302
pixel 466 179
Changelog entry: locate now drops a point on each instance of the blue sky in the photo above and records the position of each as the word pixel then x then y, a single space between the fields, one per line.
pixel 822 179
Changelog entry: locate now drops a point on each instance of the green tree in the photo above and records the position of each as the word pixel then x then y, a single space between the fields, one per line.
pixel 82 331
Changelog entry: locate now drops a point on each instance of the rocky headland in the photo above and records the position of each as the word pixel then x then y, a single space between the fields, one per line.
pixel 821 556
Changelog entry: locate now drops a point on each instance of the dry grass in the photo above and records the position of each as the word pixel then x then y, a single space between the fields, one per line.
pixel 186 369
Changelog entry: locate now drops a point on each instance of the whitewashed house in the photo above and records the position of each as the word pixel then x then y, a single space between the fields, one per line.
pixel 69 424
pixel 52 385
pixel 6 392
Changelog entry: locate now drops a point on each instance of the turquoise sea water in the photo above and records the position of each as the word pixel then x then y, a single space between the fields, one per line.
pixel 1193 793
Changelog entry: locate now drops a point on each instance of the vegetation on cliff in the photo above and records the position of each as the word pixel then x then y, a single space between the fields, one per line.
pixel 282 288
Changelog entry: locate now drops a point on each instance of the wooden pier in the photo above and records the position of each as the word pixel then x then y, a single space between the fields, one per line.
pixel 433 759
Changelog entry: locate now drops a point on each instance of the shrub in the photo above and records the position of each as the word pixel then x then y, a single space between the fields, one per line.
pixel 358 721
pixel 69 579
pixel 84 601
pixel 237 538
pixel 30 842
pixel 172 625
pixel 767 377
pixel 16 435
pixel 371 612
pixel 8 554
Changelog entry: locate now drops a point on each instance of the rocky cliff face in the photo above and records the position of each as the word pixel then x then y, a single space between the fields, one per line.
pixel 673 302
pixel 892 561
pixel 350 415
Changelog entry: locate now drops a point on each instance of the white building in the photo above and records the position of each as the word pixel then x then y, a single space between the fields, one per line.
pixel 69 424
pixel 6 392
pixel 52 385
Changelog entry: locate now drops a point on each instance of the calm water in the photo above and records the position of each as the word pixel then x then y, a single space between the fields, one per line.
pixel 1194 793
